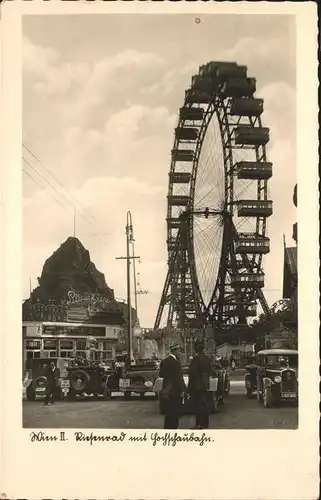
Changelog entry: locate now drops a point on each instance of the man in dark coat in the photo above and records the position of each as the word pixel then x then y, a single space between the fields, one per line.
pixel 199 380
pixel 52 374
pixel 173 387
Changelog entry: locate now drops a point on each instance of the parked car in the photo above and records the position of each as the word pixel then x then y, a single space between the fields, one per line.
pixel 277 376
pixel 36 381
pixel 139 378
pixel 87 378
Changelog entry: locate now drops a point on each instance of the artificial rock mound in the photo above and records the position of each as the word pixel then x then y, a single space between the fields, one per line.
pixel 70 268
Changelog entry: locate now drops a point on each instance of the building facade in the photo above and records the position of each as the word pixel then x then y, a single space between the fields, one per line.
pixel 80 323
pixel 241 353
pixel 68 340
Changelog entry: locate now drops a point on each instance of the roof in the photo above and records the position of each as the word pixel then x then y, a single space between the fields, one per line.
pixel 281 352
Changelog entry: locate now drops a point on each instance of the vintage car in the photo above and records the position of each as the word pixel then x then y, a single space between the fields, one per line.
pixel 139 378
pixel 87 379
pixel 277 376
pixel 36 381
pixel 215 392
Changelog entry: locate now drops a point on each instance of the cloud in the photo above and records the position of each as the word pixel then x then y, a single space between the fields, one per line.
pixel 38 60
pixel 279 110
pixel 136 140
pixel 267 61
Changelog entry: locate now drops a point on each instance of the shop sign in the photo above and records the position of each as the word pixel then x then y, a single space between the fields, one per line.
pixel 74 297
pixel 74 330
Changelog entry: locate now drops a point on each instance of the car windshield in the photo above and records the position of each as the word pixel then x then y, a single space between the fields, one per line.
pixel 282 360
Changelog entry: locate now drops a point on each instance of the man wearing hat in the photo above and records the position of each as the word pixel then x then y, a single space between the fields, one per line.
pixel 199 379
pixel 173 386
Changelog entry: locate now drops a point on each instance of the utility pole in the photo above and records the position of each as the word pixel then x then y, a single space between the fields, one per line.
pixel 134 272
pixel 128 258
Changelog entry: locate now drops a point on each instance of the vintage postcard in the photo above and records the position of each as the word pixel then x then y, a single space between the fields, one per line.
pixel 159 255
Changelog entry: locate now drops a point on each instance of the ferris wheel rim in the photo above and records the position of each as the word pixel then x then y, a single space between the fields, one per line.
pixel 211 110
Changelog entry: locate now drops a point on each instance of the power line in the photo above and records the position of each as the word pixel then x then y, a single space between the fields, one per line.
pixel 56 191
pixel 62 196
pixel 58 181
pixel 43 187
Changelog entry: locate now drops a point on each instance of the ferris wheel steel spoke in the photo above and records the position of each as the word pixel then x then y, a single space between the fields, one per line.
pixel 208 267
pixel 212 159
pixel 210 234
pixel 211 168
pixel 206 239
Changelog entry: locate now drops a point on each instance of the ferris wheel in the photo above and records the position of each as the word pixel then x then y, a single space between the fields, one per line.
pixel 218 202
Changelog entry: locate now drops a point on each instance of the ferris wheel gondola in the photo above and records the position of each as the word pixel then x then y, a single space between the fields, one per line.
pixel 217 202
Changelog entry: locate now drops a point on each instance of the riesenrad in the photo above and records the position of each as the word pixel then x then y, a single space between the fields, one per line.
pixel 218 203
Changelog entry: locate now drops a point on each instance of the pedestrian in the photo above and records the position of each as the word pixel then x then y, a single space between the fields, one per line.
pixel 233 364
pixel 52 375
pixel 198 384
pixel 173 387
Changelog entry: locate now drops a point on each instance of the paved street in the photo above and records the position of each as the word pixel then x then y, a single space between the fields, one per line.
pixel 238 412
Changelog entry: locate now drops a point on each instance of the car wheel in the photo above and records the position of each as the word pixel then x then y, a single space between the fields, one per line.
pixel 267 398
pixel 79 380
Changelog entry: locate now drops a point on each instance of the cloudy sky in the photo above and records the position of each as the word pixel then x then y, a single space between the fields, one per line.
pixel 100 102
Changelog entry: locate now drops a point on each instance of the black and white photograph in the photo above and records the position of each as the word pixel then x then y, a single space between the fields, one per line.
pixel 164 282
pixel 159 222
